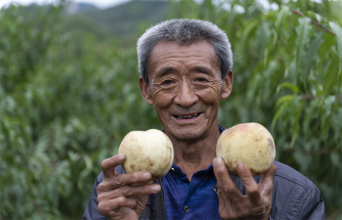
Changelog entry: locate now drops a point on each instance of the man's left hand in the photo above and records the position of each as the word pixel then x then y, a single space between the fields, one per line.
pixel 233 205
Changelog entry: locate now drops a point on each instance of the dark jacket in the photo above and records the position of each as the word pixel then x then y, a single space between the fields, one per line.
pixel 294 197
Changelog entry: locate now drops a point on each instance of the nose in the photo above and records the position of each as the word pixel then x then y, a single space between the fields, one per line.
pixel 185 95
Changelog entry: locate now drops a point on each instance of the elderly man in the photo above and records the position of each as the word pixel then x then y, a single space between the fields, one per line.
pixel 185 68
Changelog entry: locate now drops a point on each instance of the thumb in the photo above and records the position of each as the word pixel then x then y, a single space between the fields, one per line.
pixel 266 182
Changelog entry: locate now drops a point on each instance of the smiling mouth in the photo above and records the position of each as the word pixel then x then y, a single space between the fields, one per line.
pixel 187 116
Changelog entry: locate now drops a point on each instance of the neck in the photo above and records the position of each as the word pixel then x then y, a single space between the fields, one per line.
pixel 192 156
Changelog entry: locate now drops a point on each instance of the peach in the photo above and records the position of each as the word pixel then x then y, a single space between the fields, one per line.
pixel 250 143
pixel 149 150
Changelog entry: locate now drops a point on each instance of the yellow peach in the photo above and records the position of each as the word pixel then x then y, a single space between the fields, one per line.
pixel 149 150
pixel 250 143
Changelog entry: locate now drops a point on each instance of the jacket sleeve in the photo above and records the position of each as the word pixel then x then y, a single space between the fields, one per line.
pixel 91 212
pixel 313 205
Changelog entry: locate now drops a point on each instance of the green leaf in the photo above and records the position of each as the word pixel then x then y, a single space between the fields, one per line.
pixel 335 159
pixel 310 113
pixel 288 85
pixel 338 31
pixel 311 55
pixel 282 14
pixel 264 34
pixel 318 17
pixel 252 25
pixel 296 112
pixel 81 178
pixel 303 37
pixel 331 76
pixel 329 40
pixel 285 99
pixel 336 122
pixel 313 15
pixel 303 160
pixel 89 163
pixel 326 115
pixel 280 112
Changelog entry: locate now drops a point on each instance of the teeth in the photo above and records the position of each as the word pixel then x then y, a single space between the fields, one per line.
pixel 187 117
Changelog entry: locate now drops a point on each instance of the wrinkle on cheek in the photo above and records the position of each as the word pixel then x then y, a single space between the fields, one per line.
pixel 156 89
pixel 215 88
pixel 160 99
pixel 160 96
pixel 156 93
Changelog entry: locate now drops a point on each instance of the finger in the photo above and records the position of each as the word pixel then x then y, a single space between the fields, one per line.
pixel 269 174
pixel 250 184
pixel 224 183
pixel 266 182
pixel 128 191
pixel 108 165
pixel 138 190
pixel 108 207
pixel 135 179
pixel 142 183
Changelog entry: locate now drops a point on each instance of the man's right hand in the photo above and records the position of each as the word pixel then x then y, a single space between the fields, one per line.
pixel 123 196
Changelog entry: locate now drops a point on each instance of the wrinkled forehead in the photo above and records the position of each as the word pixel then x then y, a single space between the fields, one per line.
pixel 164 52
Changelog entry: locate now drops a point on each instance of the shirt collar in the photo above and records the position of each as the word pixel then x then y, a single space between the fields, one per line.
pixel 177 170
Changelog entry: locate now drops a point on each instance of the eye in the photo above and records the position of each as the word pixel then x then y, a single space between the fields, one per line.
pixel 167 82
pixel 201 80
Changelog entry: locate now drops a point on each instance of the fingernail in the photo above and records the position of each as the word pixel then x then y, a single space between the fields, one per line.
pixel 156 188
pixel 147 175
pixel 241 167
pixel 217 161
pixel 121 156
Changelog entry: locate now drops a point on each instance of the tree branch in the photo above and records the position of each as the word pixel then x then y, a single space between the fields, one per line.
pixel 313 21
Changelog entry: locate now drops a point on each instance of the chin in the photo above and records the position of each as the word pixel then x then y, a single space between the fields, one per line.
pixel 187 135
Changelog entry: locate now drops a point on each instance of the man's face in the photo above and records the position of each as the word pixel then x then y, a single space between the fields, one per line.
pixel 186 88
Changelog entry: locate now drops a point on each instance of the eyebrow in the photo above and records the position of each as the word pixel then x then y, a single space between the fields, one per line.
pixel 202 69
pixel 163 71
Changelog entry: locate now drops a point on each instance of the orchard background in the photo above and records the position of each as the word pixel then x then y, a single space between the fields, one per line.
pixel 69 92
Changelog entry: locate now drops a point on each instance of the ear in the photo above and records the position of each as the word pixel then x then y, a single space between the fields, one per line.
pixel 145 91
pixel 227 85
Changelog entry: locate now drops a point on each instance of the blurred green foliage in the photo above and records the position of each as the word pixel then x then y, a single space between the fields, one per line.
pixel 125 22
pixel 67 102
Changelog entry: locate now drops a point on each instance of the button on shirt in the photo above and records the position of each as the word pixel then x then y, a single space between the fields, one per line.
pixel 190 200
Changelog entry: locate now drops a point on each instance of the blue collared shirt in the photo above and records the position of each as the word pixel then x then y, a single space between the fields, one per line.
pixel 191 200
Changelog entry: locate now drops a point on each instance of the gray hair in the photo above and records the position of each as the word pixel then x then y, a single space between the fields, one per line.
pixel 184 32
